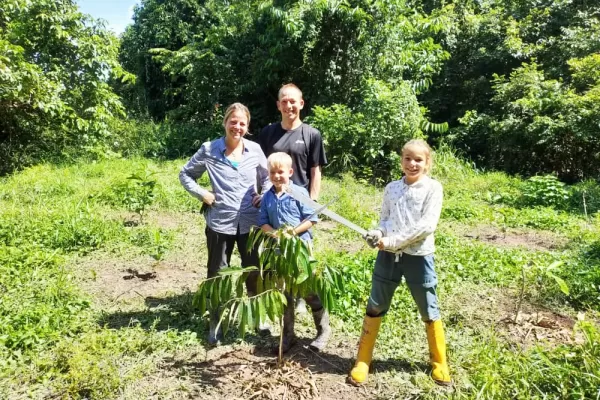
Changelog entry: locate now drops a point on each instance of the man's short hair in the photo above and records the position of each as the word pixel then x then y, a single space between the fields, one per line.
pixel 288 86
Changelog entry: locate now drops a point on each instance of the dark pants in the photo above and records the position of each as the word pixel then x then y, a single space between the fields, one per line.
pixel 220 247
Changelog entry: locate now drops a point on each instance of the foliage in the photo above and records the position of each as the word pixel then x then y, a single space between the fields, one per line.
pixel 367 140
pixel 540 126
pixel 232 52
pixel 566 372
pixel 545 190
pixel 59 340
pixel 40 302
pixel 287 269
pixel 520 88
pixel 135 193
pixel 139 193
pixel 54 97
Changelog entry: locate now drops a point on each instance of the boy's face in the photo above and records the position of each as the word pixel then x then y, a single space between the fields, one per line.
pixel 289 105
pixel 280 175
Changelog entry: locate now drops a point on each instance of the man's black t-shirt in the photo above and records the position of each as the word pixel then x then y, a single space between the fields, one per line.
pixel 303 144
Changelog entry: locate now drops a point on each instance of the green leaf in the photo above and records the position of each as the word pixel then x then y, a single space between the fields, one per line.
pixel 561 283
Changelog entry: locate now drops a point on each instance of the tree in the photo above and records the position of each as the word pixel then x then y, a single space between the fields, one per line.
pixel 245 50
pixel 286 268
pixel 54 95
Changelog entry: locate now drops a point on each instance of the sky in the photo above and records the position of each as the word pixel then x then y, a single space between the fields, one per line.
pixel 117 13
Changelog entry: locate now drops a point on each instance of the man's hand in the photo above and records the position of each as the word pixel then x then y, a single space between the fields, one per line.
pixel 373 237
pixel 256 199
pixel 209 199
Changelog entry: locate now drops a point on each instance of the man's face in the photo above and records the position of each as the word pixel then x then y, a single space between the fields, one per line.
pixel 280 175
pixel 289 105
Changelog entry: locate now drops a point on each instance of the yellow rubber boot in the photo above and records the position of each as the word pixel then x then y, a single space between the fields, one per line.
pixel 437 352
pixel 358 374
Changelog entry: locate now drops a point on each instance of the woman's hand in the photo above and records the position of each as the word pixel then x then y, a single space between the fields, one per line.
pixel 209 199
pixel 256 199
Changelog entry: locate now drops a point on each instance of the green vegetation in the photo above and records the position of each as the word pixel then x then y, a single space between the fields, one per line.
pixel 99 255
pixel 511 85
pixel 56 339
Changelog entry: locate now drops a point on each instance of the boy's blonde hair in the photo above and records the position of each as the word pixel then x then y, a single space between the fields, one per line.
pixel 421 145
pixel 233 108
pixel 278 160
pixel 288 86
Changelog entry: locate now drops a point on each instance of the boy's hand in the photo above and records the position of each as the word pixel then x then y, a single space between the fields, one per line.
pixel 256 200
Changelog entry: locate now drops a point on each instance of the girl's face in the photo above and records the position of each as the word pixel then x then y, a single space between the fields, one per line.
pixel 414 164
pixel 236 125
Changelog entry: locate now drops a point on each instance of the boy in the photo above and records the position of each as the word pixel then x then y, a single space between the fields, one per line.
pixel 278 208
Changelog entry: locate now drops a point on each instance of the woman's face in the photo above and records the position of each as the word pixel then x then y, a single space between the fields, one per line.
pixel 236 125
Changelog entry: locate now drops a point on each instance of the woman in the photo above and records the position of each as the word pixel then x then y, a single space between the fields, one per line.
pixel 235 167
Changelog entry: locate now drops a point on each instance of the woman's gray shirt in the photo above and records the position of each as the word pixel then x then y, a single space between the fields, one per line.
pixel 233 187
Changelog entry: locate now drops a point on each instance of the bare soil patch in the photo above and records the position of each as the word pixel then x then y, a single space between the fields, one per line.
pixel 248 371
pixel 126 280
pixel 496 308
pixel 530 239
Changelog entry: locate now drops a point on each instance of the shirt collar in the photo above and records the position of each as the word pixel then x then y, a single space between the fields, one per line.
pixel 272 189
pixel 221 145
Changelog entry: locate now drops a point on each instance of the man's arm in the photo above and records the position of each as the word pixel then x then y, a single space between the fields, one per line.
pixel 315 182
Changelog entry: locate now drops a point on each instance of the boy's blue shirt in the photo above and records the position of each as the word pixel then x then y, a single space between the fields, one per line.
pixel 285 210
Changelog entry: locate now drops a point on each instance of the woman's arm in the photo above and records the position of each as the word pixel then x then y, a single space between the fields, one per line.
pixel 191 172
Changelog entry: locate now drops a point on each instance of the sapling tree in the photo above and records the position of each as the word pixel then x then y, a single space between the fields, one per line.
pixel 538 273
pixel 140 192
pixel 286 267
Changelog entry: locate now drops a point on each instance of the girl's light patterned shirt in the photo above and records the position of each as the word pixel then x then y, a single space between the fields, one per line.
pixel 409 216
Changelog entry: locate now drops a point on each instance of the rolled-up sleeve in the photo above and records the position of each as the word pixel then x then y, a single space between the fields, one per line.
pixel 192 171
pixel 263 215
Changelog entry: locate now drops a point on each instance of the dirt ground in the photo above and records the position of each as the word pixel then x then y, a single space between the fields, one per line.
pixel 134 288
pixel 531 239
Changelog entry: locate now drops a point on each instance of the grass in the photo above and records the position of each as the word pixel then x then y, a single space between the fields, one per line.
pixel 58 339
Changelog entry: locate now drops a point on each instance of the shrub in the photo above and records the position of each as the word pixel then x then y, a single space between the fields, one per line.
pixel 366 140
pixel 545 191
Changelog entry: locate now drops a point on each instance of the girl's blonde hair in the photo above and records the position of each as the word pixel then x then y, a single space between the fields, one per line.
pixel 233 108
pixel 421 145
pixel 278 160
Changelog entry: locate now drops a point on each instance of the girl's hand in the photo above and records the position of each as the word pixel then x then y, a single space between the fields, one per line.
pixel 383 243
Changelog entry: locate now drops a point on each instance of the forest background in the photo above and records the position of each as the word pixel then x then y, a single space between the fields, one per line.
pixel 99 243
pixel 512 85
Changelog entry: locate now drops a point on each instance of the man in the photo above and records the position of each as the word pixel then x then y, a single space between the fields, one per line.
pixel 301 141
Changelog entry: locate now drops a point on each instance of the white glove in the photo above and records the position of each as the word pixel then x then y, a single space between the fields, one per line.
pixel 373 236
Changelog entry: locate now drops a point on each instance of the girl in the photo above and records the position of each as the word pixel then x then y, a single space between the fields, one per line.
pixel 409 215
